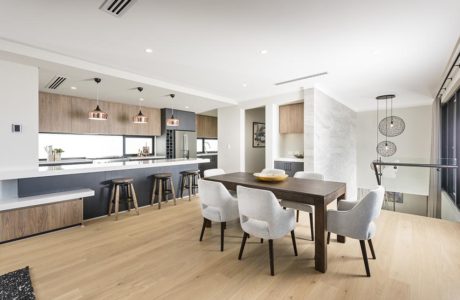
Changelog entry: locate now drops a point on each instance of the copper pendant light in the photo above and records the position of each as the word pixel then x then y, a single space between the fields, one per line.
pixel 97 114
pixel 140 118
pixel 173 122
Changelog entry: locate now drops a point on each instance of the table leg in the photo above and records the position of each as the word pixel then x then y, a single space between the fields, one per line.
pixel 340 238
pixel 320 236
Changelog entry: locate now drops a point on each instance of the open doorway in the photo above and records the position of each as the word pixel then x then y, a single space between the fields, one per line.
pixel 255 139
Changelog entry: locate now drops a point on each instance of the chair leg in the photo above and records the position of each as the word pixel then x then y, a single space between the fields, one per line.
pixel 173 189
pixel 328 237
pixel 261 241
pixel 189 188
pixel 117 201
pixel 312 229
pixel 297 216
pixel 181 187
pixel 293 242
pixel 372 248
pixel 205 221
pixel 160 193
pixel 134 197
pixel 366 262
pixel 222 230
pixel 243 242
pixel 270 253
pixel 153 191
pixel 112 199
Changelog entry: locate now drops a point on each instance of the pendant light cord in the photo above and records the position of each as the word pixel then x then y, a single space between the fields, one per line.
pixel 386 123
pixel 97 93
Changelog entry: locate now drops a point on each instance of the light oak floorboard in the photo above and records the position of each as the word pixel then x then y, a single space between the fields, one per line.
pixel 157 255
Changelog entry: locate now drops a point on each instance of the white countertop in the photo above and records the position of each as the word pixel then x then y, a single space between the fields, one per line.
pixel 291 159
pixel 96 167
pixel 207 154
pixel 15 203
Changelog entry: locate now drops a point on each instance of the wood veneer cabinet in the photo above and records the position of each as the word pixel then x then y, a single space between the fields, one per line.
pixel 65 114
pixel 291 118
pixel 27 221
pixel 206 126
pixel 55 113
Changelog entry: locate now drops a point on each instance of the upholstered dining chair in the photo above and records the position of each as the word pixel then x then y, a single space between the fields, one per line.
pixel 355 220
pixel 262 216
pixel 217 205
pixel 213 172
pixel 301 206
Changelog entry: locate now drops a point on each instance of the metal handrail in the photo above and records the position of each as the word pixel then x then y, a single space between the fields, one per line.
pixel 378 174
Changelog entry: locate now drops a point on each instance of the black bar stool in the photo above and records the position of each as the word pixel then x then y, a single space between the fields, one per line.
pixel 160 188
pixel 125 186
pixel 189 182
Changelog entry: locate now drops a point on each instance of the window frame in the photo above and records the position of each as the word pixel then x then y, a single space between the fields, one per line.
pixel 152 153
pixel 203 145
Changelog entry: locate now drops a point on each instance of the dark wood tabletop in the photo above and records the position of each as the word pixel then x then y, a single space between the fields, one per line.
pixel 318 193
pixel 300 190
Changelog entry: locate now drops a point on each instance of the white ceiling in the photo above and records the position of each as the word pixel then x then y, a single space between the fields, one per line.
pixel 213 46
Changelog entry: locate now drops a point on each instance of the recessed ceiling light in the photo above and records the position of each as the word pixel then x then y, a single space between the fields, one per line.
pixel 263 51
pixel 187 107
pixel 148 50
pixel 73 87
pixel 141 99
pixel 244 84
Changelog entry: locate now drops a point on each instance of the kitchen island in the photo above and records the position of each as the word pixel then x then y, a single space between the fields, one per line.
pixel 97 177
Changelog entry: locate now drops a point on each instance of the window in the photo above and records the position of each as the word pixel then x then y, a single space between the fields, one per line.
pixel 135 144
pixel 199 146
pixel 449 149
pixel 80 145
pixel 210 145
pixel 206 145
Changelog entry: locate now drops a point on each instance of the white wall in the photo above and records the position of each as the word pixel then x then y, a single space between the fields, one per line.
pixel 230 126
pixel 335 141
pixel 231 121
pixel 18 105
pixel 290 143
pixel 254 157
pixel 413 145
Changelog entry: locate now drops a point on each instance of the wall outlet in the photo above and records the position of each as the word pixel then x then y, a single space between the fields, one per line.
pixel 15 128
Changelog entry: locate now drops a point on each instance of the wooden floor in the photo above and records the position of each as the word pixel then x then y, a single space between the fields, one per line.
pixel 157 256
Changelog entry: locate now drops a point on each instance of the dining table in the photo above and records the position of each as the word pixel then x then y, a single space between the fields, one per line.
pixel 318 193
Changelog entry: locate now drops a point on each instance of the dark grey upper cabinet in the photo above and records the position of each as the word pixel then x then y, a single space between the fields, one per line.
pixel 186 120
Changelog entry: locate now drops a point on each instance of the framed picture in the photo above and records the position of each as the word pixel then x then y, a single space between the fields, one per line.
pixel 258 135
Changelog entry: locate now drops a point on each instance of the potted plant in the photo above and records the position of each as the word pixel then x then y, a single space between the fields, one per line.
pixel 57 154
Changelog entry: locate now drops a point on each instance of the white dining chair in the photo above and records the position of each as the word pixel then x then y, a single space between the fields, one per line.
pixel 217 205
pixel 301 206
pixel 262 216
pixel 355 219
pixel 213 172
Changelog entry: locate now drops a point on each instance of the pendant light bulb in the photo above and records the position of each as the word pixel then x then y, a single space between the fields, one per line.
pixel 140 118
pixel 173 122
pixel 97 114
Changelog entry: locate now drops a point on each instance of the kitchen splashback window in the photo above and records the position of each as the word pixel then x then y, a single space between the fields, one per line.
pixel 135 144
pixel 76 145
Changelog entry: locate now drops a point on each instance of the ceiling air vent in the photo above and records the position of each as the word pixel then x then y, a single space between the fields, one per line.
pixel 116 7
pixel 55 82
pixel 301 78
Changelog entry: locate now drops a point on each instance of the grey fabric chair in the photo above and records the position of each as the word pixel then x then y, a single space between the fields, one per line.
pixel 301 206
pixel 355 219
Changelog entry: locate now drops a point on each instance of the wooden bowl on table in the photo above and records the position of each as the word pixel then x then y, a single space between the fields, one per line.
pixel 270 177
